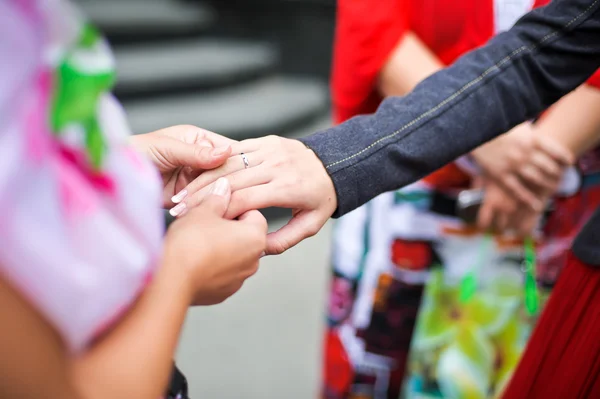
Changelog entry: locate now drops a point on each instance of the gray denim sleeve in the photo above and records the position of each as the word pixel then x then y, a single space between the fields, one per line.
pixel 548 53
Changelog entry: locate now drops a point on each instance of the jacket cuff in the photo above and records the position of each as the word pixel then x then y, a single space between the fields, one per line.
pixel 344 181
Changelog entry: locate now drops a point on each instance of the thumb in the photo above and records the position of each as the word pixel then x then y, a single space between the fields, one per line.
pixel 302 225
pixel 197 156
pixel 217 200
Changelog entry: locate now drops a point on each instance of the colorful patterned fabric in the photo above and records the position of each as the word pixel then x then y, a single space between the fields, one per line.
pixel 385 252
pixel 397 269
pixel 81 226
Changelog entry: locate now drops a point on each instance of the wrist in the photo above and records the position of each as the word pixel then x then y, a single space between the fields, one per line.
pixel 175 270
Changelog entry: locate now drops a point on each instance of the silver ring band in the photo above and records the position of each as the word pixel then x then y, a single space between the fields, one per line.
pixel 245 159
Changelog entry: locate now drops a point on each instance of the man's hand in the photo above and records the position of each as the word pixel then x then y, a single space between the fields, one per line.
pixel 281 172
pixel 502 213
pixel 525 163
pixel 182 153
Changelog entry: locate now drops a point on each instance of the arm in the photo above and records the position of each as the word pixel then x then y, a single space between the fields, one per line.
pixel 548 53
pixel 519 73
pixel 133 361
pixel 574 123
pixel 203 264
pixel 575 120
pixel 137 355
pixel 410 63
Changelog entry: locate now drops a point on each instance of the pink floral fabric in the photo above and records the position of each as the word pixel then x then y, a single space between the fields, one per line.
pixel 80 220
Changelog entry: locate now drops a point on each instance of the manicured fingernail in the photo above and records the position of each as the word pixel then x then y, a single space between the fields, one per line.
pixel 178 210
pixel 177 198
pixel 221 187
pixel 217 152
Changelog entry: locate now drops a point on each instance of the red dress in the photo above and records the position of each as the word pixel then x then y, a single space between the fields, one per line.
pixel 367 32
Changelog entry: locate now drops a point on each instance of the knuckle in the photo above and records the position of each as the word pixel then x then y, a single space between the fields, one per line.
pixel 187 127
pixel 279 246
pixel 312 229
pixel 273 140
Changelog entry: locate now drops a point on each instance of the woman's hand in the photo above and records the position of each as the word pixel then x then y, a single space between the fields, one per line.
pixel 219 254
pixel 181 153
pixel 525 162
pixel 281 172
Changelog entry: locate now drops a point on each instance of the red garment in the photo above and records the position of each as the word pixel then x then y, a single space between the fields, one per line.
pixel 367 32
pixel 562 358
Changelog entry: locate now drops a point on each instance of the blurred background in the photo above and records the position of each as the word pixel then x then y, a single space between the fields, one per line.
pixel 242 68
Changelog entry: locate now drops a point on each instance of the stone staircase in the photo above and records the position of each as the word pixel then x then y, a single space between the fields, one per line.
pixel 177 64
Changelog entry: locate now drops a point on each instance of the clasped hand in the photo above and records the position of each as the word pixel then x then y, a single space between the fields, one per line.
pixel 521 171
pixel 220 240
pixel 272 172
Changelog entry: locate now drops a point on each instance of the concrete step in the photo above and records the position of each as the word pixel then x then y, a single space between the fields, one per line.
pixel 131 20
pixel 267 106
pixel 190 64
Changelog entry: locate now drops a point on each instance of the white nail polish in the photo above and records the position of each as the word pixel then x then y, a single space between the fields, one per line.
pixel 178 210
pixel 177 198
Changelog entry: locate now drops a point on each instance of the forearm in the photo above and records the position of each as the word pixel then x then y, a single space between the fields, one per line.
pixel 134 360
pixel 574 121
pixel 518 74
pixel 410 63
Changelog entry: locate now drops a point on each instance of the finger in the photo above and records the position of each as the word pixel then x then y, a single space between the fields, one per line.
pixel 500 221
pixel 522 193
pixel 256 219
pixel 217 140
pixel 260 197
pixel 255 232
pixel 301 226
pixel 534 177
pixel 246 146
pixel 528 225
pixel 556 150
pixel 238 180
pixel 194 134
pixel 216 202
pixel 233 164
pixel 546 164
pixel 185 176
pixel 477 182
pixel 485 216
pixel 518 221
pixel 197 156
